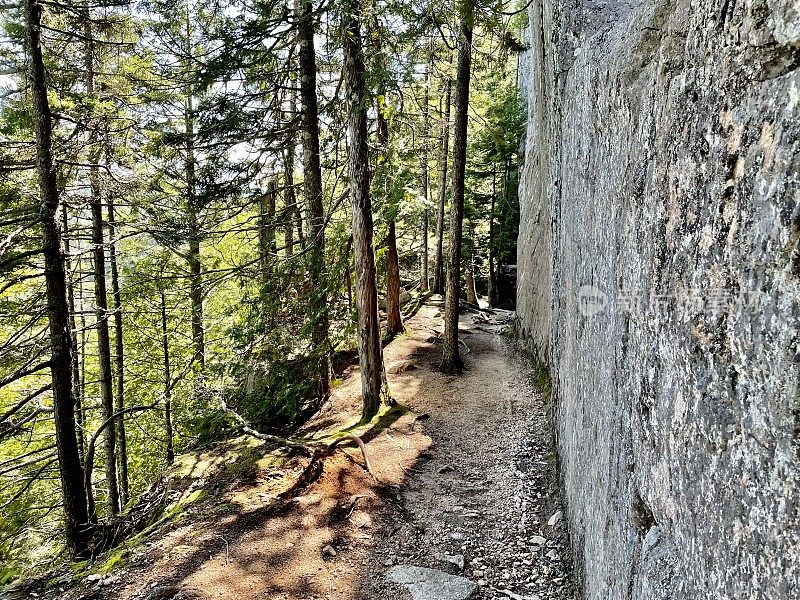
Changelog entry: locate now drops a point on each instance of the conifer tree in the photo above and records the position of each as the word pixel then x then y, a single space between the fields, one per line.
pixel 374 389
pixel 451 360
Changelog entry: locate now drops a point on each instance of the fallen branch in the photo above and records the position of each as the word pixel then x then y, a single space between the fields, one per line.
pixel 244 427
pixel 313 469
pixel 349 436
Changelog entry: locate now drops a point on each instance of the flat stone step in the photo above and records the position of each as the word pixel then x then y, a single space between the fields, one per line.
pixel 430 584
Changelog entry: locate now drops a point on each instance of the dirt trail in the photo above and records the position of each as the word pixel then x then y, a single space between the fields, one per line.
pixel 464 473
pixel 485 488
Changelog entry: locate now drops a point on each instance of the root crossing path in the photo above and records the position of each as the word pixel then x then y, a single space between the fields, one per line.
pixel 465 504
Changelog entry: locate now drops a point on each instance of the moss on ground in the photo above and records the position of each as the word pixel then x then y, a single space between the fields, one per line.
pixel 114 558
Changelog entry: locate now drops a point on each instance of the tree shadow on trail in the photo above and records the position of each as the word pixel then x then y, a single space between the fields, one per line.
pixel 381 424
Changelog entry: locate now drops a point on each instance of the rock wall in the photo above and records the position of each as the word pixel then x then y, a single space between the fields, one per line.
pixel 659 279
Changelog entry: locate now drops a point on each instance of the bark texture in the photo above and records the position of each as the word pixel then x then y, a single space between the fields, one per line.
pixel 312 189
pixel 373 376
pixel 659 278
pixel 451 361
pixel 71 474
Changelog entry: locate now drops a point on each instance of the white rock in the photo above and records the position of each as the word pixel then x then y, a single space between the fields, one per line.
pixel 454 559
pixel 538 540
pixel 555 518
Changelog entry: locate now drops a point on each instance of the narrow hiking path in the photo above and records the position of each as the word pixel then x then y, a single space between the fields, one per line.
pixel 483 492
pixel 466 487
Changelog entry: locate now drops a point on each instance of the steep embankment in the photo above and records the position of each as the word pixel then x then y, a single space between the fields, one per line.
pixel 659 278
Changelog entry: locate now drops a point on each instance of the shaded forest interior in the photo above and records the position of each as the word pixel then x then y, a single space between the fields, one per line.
pixel 208 207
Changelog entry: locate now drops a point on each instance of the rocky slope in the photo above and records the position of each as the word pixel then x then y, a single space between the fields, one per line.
pixel 659 279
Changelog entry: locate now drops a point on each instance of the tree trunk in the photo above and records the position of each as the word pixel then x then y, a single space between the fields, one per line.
pixel 291 213
pixel 170 453
pixel 82 361
pixel 193 257
pixel 492 281
pixel 312 189
pixel 438 275
pixel 424 282
pixel 289 195
pixel 101 296
pixel 394 319
pixel 104 344
pixel 472 294
pixel 373 376
pixel 451 361
pixel 196 297
pixel 119 355
pixel 267 232
pixel 298 220
pixel 75 509
pixel 76 373
pixel 289 200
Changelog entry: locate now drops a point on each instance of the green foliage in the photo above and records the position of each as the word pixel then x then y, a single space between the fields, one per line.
pixel 207 88
pixel 278 396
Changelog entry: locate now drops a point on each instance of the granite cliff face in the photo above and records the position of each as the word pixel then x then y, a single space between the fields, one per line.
pixel 659 280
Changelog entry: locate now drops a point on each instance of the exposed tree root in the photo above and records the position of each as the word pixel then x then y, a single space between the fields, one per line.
pixel 318 453
pixel 108 535
pixel 313 470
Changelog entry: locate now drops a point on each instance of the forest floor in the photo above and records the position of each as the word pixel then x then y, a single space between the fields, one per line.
pixel 465 485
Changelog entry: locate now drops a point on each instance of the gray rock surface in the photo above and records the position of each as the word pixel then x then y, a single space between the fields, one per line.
pixel 430 584
pixel 659 278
